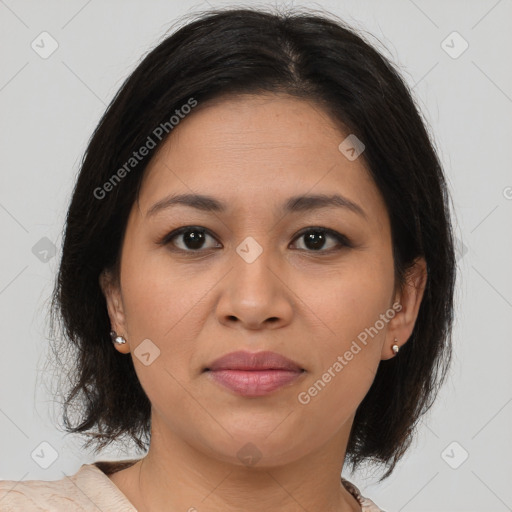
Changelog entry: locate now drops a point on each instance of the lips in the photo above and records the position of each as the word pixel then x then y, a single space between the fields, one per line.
pixel 248 361
pixel 253 374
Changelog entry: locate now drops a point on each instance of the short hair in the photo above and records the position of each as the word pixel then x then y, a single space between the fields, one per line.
pixel 310 56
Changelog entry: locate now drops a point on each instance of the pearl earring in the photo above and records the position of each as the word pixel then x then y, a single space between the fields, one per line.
pixel 119 340
pixel 395 347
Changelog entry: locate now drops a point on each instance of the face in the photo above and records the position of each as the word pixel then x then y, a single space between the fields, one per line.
pixel 253 271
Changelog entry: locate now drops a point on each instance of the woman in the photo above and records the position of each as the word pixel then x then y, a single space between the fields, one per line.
pixel 257 274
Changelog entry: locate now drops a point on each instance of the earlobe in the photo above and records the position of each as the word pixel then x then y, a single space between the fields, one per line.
pixel 115 310
pixel 119 342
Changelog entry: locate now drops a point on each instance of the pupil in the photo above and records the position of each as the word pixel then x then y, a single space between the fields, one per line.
pixel 315 244
pixel 194 239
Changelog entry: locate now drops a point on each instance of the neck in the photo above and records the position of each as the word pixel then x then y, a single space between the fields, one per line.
pixel 176 476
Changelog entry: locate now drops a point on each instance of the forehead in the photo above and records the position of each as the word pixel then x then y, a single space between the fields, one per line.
pixel 258 150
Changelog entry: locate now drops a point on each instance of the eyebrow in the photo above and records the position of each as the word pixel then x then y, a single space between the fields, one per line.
pixel 294 204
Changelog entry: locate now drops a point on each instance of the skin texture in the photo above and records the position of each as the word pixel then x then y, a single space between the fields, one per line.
pixel 254 152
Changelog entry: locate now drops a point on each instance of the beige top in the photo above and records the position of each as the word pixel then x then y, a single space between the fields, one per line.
pixel 90 490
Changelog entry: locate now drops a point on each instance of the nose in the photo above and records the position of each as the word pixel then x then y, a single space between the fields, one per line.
pixel 255 295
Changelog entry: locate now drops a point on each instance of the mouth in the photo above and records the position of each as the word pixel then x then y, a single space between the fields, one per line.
pixel 254 374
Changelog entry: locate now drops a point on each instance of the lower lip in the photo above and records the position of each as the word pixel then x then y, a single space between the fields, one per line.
pixel 254 382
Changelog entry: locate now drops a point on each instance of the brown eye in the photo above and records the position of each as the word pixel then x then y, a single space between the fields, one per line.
pixel 191 238
pixel 315 239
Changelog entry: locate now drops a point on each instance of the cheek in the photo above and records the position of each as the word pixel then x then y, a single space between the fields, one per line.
pixel 333 398
pixel 160 307
pixel 351 299
pixel 349 353
pixel 156 295
pixel 351 306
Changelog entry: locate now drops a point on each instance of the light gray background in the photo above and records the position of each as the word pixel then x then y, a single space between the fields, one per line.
pixel 49 108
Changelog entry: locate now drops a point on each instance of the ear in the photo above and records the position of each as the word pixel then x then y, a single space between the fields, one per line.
pixel 112 292
pixel 409 297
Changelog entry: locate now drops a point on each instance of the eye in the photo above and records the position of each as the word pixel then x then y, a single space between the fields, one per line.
pixel 315 237
pixel 192 239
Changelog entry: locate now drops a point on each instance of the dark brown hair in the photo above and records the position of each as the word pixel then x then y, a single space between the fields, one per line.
pixel 235 51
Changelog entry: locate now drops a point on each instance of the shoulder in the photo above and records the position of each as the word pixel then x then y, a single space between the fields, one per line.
pixel 88 489
pixel 38 495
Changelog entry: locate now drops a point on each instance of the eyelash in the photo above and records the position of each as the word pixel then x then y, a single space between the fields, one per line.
pixel 342 240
